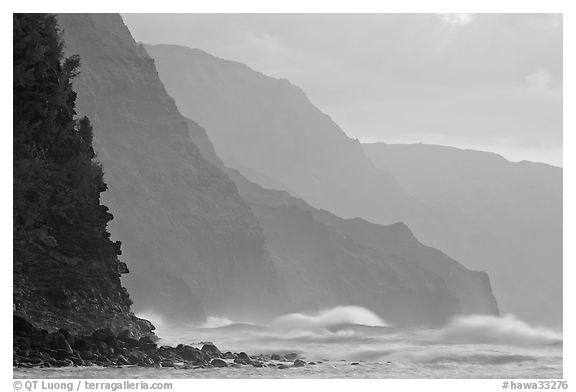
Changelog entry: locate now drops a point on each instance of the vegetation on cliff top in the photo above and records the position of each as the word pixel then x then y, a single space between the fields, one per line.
pixel 57 182
pixel 66 267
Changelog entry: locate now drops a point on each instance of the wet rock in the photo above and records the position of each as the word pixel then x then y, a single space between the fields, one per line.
pixel 291 356
pixel 76 361
pixel 243 359
pixel 276 357
pixel 103 348
pixel 64 332
pixel 34 361
pixel 125 336
pixel 145 325
pixel 80 344
pixel 354 363
pixel 131 343
pixel 211 350
pixel 147 344
pixel 190 353
pixel 122 360
pixel 312 363
pixel 102 361
pixel 133 359
pixel 217 362
pixel 59 342
pixel 88 355
pixel 59 354
pixel 146 362
pixel 61 363
pixel 258 364
pixel 299 363
pixel 156 359
pixel 22 326
pixel 282 366
pixel 166 364
pixel 228 355
pixel 105 335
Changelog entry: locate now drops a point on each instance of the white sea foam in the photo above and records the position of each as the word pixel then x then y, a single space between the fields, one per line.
pixel 499 330
pixel 325 319
pixel 216 322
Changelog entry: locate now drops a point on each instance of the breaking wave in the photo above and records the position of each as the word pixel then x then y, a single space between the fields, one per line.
pixel 216 322
pixel 500 330
pixel 327 320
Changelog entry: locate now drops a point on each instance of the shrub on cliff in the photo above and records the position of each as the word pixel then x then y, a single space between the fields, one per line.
pixel 57 182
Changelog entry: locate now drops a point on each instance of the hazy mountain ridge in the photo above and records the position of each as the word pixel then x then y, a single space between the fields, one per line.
pixel 326 261
pixel 269 126
pixel 519 203
pixel 192 243
pixel 265 125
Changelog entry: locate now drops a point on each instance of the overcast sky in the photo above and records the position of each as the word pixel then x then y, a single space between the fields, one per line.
pixel 486 81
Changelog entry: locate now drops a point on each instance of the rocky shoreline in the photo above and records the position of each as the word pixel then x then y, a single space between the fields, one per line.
pixel 37 348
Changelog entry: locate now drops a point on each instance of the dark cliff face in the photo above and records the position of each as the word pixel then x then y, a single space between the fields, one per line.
pixel 193 246
pixel 325 261
pixel 66 267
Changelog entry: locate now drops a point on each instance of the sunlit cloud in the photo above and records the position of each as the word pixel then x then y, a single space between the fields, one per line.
pixel 456 19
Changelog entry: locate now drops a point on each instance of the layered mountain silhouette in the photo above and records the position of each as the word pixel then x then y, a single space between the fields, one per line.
pixel 516 206
pixel 268 130
pixel 325 261
pixel 200 239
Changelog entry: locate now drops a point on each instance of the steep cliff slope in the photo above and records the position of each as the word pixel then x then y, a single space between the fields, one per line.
pixel 267 128
pixel 518 203
pixel 271 132
pixel 192 244
pixel 66 268
pixel 327 261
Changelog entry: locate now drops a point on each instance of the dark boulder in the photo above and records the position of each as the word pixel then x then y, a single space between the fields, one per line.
pixel 60 363
pixel 125 336
pixel 80 343
pixel 34 361
pixel 211 350
pixel 59 354
pixel 23 326
pixel 77 361
pixel 190 353
pixel 228 355
pixel 299 363
pixel 59 342
pixel 147 344
pixel 276 357
pixel 243 359
pixel 291 356
pixel 217 362
pixel 105 335
pixel 88 355
pixel 121 360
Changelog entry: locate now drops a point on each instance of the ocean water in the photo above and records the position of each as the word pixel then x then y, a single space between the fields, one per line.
pixel 352 342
